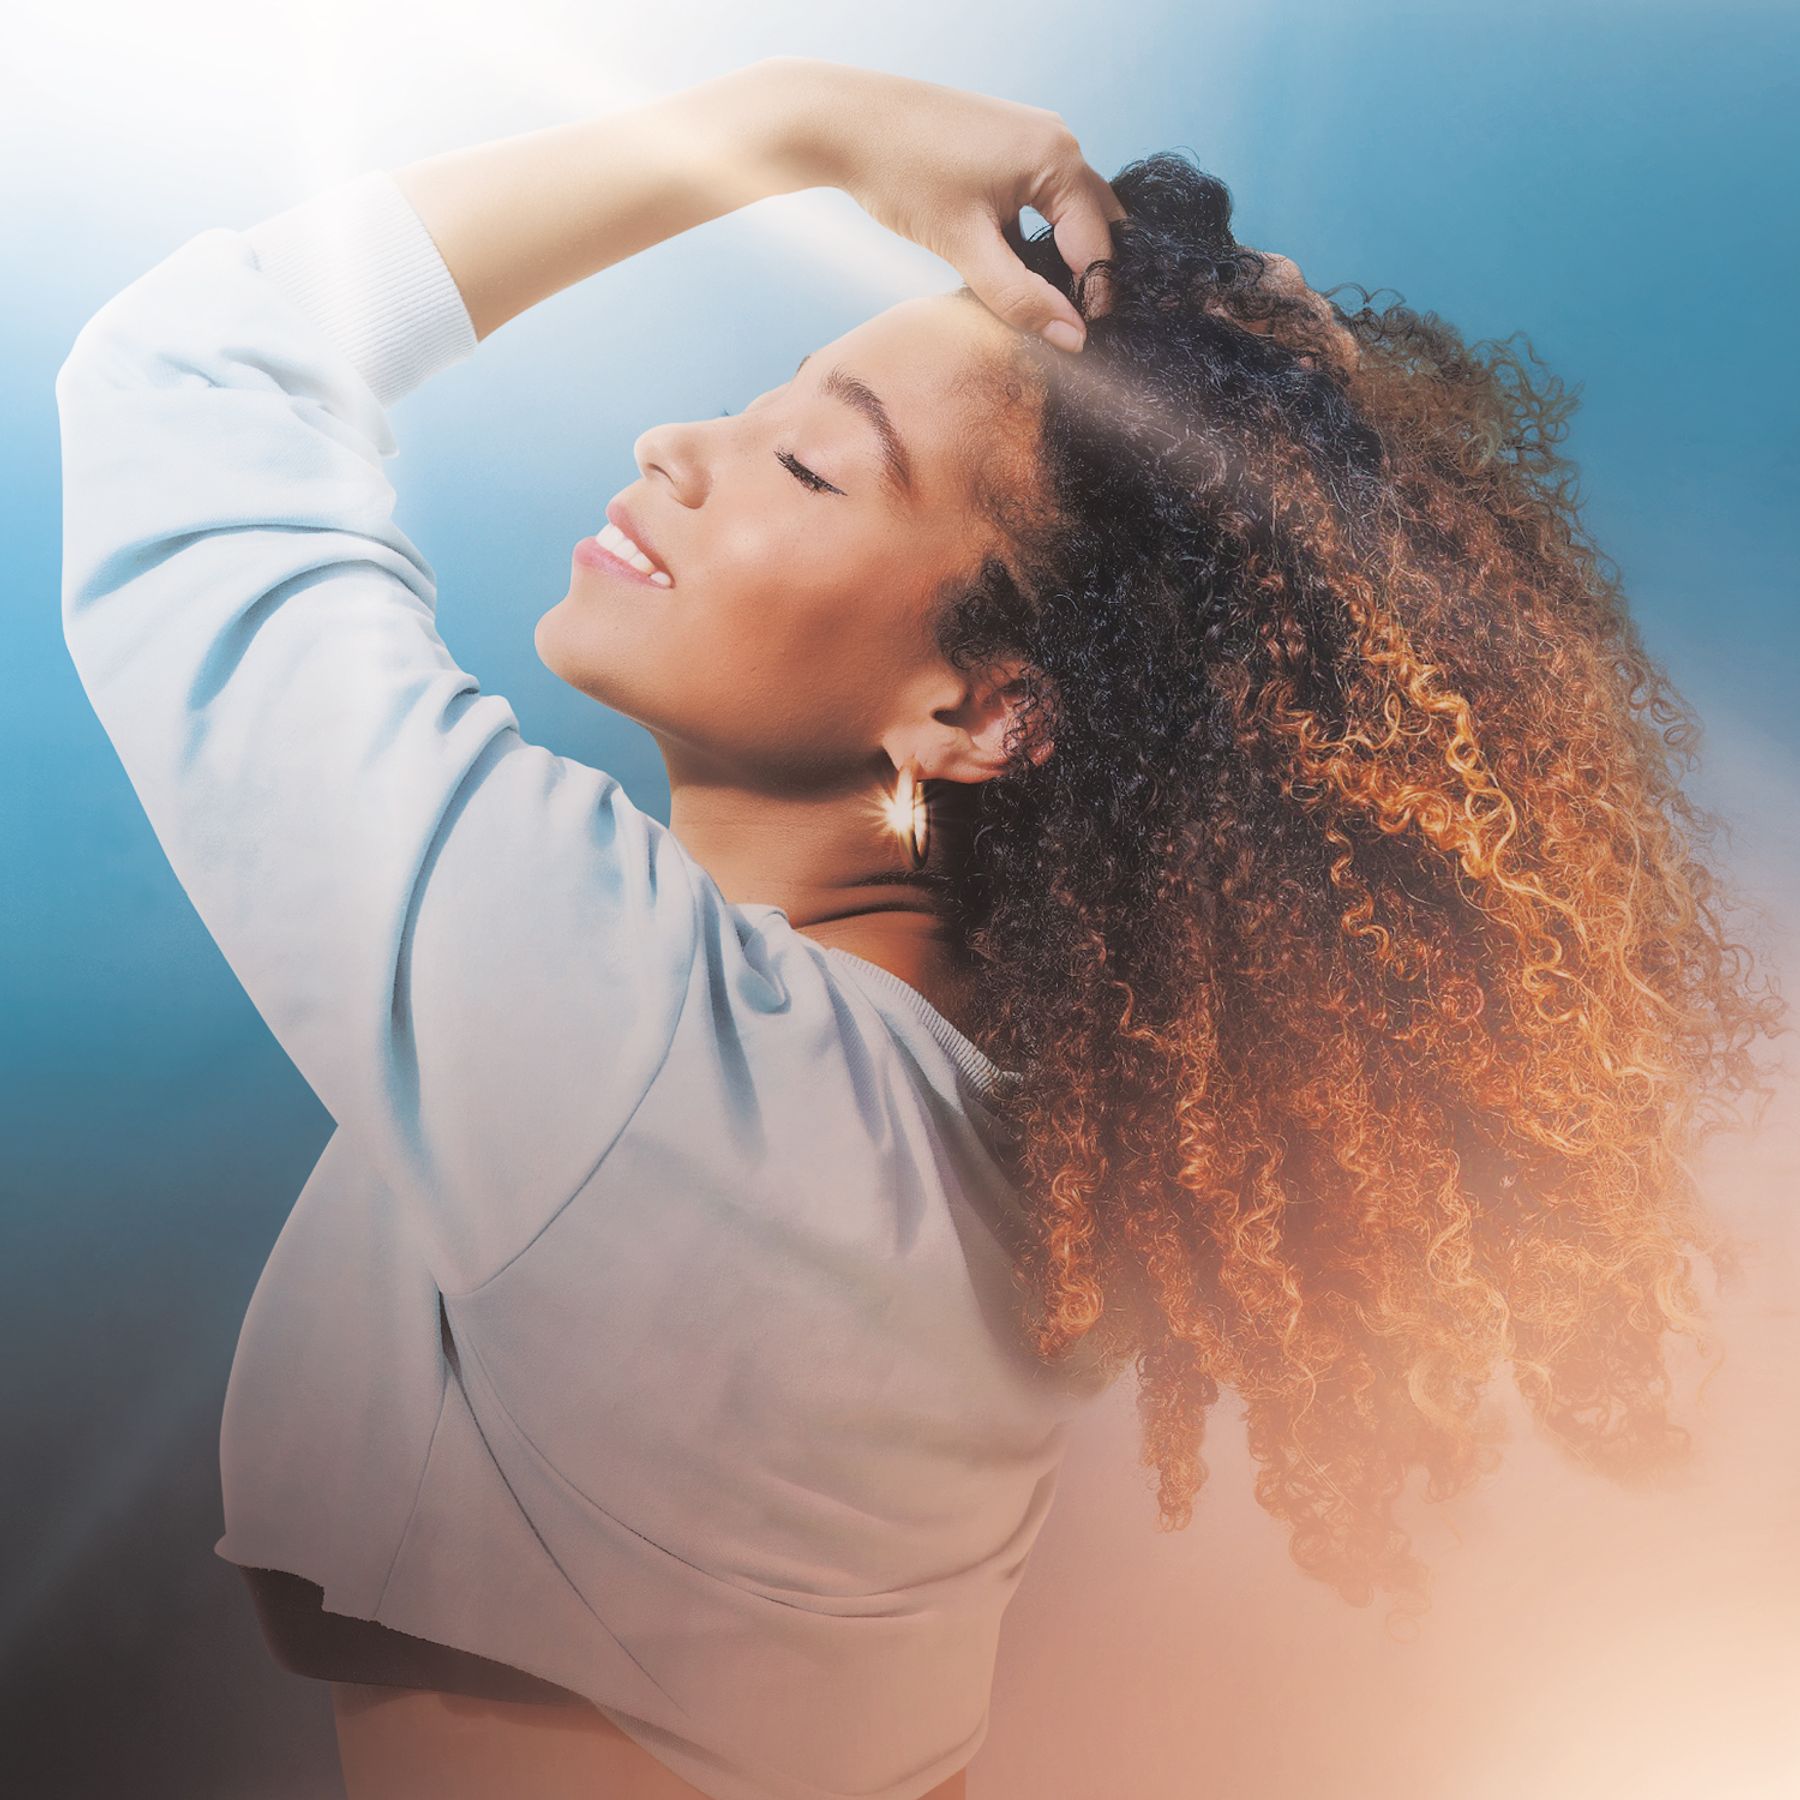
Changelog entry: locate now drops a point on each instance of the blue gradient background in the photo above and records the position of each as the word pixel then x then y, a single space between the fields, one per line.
pixel 1615 181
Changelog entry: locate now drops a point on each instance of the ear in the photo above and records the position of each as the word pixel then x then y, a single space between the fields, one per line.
pixel 966 740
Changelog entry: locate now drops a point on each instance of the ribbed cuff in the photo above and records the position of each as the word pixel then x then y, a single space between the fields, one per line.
pixel 356 258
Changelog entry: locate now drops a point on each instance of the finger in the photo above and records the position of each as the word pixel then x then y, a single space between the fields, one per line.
pixel 1083 232
pixel 1011 291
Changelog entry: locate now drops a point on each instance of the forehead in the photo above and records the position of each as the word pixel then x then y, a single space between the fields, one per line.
pixel 931 362
pixel 928 341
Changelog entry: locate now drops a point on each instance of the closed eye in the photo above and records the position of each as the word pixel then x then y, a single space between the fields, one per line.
pixel 797 468
pixel 801 472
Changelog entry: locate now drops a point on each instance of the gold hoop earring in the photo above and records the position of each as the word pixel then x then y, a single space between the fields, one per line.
pixel 914 815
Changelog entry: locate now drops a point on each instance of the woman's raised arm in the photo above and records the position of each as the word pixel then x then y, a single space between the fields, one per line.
pixel 521 218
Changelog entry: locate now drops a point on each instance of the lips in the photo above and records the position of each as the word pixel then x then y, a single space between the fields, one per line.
pixel 615 511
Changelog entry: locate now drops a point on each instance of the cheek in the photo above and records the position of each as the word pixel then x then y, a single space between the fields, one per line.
pixel 789 659
pixel 821 654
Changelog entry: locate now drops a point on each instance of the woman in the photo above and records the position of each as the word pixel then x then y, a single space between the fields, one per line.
pixel 1172 858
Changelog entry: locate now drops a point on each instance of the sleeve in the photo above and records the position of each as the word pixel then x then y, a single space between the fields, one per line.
pixel 475 951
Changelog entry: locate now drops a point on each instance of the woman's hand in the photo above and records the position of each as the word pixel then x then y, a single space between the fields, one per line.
pixel 950 170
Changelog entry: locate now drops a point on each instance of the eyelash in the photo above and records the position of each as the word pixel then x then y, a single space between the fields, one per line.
pixel 795 466
pixel 805 474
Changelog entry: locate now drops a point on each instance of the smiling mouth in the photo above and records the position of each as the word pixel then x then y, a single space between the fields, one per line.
pixel 594 555
pixel 621 536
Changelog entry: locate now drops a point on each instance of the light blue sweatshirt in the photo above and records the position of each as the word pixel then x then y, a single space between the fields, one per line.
pixel 648 1321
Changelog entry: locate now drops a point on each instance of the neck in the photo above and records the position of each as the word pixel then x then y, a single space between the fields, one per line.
pixel 833 863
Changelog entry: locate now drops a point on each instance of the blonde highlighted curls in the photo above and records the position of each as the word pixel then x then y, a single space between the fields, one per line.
pixel 1358 940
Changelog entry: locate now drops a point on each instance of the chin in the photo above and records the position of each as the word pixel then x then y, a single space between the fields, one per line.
pixel 538 638
pixel 549 640
pixel 561 649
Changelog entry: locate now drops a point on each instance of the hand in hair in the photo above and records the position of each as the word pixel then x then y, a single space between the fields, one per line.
pixel 951 170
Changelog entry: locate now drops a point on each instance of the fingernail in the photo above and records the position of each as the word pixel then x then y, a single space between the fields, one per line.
pixel 1063 335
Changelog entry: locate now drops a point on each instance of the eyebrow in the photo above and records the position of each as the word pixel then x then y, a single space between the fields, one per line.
pixel 896 465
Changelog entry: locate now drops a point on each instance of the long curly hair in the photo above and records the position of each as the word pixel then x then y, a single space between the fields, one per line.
pixel 1356 940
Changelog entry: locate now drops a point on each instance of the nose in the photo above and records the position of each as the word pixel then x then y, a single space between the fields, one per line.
pixel 664 451
pixel 685 455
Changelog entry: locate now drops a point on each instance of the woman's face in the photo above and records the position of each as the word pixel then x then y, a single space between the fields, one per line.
pixel 794 646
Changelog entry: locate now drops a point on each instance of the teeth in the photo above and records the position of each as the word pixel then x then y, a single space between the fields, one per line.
pixel 625 550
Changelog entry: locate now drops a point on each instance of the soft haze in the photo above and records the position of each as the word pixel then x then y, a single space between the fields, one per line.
pixel 1612 181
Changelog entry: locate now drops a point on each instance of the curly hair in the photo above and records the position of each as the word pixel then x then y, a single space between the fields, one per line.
pixel 1356 940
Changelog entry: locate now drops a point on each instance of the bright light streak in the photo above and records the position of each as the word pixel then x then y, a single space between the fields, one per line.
pixel 897 808
pixel 300 100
